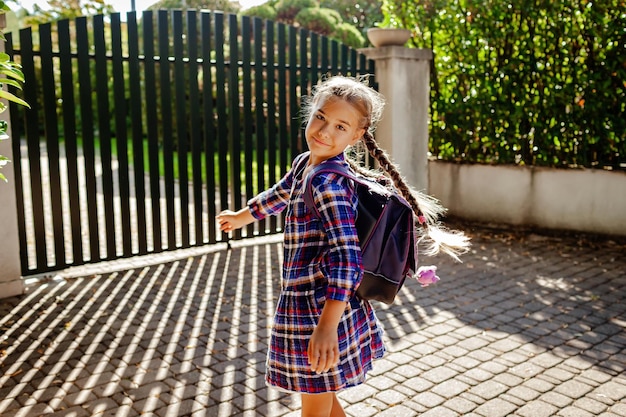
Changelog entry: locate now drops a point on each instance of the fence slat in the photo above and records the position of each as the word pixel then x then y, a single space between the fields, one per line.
pixel 195 135
pixel 209 130
pixel 259 105
pixel 246 72
pixel 136 117
pixel 304 85
pixel 70 138
pixel 88 132
pixel 234 134
pixel 104 134
pixel 167 138
pixel 294 99
pixel 283 89
pixel 152 123
pixel 222 127
pixel 33 148
pixel 270 30
pixel 121 133
pixel 181 138
pixel 52 143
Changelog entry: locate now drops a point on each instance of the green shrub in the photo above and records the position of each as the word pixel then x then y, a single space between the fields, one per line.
pixel 524 83
pixel 318 20
pixel 286 10
pixel 349 35
pixel 264 11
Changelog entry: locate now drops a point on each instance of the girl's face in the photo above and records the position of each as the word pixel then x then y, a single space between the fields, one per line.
pixel 332 127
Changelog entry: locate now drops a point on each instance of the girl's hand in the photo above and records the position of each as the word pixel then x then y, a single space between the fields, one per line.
pixel 323 350
pixel 230 220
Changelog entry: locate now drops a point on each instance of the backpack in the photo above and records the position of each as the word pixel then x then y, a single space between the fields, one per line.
pixel 385 226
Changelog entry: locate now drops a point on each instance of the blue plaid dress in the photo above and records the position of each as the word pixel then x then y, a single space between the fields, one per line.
pixel 322 260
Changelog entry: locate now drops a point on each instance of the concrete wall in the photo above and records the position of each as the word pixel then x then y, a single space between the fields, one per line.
pixel 10 268
pixel 579 200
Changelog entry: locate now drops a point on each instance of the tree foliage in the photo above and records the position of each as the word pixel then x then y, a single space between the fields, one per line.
pixel 66 9
pixel 309 14
pixel 540 83
pixel 362 14
pixel 318 20
pixel 10 75
pixel 225 6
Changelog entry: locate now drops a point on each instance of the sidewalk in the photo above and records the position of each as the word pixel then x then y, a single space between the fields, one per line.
pixel 529 325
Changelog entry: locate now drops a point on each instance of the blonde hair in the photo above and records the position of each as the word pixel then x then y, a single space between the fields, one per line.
pixel 427 209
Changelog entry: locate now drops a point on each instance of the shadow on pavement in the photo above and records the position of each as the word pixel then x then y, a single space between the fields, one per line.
pixel 189 336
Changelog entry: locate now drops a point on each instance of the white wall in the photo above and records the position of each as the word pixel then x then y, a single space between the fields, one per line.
pixel 10 268
pixel 581 200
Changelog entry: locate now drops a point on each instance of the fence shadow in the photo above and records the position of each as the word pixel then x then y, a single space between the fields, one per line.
pixel 190 335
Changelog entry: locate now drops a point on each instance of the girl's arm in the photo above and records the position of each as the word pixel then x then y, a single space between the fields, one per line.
pixel 323 349
pixel 230 220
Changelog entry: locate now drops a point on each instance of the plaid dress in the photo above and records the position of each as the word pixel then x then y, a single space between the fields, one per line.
pixel 322 260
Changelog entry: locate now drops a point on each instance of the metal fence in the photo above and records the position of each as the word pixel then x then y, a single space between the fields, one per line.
pixel 141 130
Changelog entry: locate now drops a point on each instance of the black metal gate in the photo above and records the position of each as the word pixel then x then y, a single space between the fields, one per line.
pixel 140 131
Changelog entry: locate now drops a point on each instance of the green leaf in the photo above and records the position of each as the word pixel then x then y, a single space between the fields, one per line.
pixel 13 98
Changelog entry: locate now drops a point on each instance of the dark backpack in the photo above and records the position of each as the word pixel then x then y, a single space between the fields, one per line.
pixel 385 227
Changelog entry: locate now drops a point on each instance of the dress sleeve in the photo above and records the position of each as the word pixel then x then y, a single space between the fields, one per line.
pixel 335 200
pixel 274 200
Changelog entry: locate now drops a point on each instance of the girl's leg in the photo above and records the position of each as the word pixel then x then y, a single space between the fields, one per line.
pixel 321 405
pixel 337 410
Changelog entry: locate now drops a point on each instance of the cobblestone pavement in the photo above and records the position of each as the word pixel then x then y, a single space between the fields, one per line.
pixel 529 325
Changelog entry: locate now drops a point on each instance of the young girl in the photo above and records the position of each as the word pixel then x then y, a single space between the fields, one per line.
pixel 323 337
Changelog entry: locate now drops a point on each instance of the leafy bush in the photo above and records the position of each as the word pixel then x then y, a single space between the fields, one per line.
pixel 264 11
pixel 349 35
pixel 286 10
pixel 524 83
pixel 315 19
pixel 10 75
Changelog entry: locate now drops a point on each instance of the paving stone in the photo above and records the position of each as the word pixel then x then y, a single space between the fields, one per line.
pixel 612 390
pixel 538 384
pixel 438 374
pixel 460 405
pixel 495 408
pixel 398 411
pixel 488 389
pixel 391 397
pixel 524 393
pixel 70 412
pixel 440 412
pixel 573 389
pixel 554 398
pixel 619 408
pixel 450 388
pixel 428 399
pixel 361 410
pixel 357 395
pixel 574 412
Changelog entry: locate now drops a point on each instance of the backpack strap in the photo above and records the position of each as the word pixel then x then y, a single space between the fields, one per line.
pixel 336 168
pixel 299 164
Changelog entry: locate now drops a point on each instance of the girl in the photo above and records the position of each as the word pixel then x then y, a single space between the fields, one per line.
pixel 323 337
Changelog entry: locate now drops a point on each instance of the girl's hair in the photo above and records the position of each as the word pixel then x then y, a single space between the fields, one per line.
pixel 370 104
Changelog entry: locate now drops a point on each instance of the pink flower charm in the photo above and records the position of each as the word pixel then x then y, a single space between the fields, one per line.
pixel 427 275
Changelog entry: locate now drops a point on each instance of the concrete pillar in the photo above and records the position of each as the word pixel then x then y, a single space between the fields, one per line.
pixel 403 77
pixel 11 282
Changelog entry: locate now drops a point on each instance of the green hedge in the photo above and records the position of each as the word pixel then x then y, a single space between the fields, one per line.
pixel 518 82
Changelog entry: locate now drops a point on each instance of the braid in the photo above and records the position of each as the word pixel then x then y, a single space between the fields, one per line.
pixel 426 208
pixel 388 166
